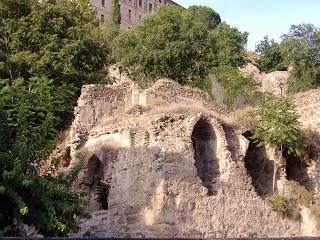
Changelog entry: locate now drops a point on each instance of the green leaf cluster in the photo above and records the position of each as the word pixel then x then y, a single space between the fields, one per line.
pixel 273 56
pixel 303 46
pixel 48 50
pixel 239 90
pixel 279 126
pixel 180 44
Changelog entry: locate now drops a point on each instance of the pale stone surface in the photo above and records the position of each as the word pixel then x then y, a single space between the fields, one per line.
pixel 170 167
pixel 274 83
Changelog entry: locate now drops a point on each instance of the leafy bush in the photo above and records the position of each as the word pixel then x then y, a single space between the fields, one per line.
pixel 239 90
pixel 279 204
pixel 300 194
pixel 279 126
pixel 48 50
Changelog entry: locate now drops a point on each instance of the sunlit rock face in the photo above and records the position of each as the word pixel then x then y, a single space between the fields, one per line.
pixel 163 162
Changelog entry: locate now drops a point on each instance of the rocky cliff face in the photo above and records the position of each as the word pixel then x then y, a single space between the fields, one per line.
pixel 163 162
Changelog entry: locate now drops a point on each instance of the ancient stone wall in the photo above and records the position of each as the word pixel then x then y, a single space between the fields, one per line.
pixel 157 189
pixel 308 107
pixel 168 173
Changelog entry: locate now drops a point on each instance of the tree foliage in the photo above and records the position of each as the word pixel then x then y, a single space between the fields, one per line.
pixel 48 50
pixel 273 56
pixel 230 44
pixel 279 126
pixel 181 44
pixel 239 90
pixel 303 46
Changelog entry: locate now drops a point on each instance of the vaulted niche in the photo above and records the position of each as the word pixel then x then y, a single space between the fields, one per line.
pixel 258 167
pixel 98 187
pixel 205 146
pixel 297 170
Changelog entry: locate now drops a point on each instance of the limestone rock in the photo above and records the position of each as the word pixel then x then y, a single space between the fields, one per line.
pixel 171 167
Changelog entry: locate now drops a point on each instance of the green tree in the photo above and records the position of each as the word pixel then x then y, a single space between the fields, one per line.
pixel 116 14
pixel 280 129
pixel 230 44
pixel 303 46
pixel 176 43
pixel 273 56
pixel 48 50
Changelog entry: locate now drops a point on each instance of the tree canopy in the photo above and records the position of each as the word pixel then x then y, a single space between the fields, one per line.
pixel 181 44
pixel 48 50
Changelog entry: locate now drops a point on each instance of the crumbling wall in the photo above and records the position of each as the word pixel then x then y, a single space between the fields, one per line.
pixel 172 92
pixel 156 189
pixel 166 174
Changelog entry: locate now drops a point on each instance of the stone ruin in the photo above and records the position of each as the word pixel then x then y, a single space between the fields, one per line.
pixel 166 162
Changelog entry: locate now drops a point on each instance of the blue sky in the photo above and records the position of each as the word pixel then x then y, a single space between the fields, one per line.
pixel 263 17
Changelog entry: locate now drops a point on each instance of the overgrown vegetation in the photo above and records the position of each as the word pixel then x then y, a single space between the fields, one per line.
pixel 48 50
pixel 246 117
pixel 300 194
pixel 280 129
pixel 239 90
pixel 279 204
pixel 180 44
pixel 300 48
pixel 274 57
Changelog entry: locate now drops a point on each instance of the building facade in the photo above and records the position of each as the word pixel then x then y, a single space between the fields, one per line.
pixel 132 11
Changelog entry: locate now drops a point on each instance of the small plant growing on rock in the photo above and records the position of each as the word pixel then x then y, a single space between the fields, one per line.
pixel 300 194
pixel 316 213
pixel 280 204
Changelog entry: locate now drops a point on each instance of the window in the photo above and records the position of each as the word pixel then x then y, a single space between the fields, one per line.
pixel 103 2
pixel 150 7
pixel 102 18
pixel 130 14
pixel 140 3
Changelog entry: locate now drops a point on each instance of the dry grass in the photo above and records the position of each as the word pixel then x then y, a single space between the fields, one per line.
pixel 246 117
pixel 300 194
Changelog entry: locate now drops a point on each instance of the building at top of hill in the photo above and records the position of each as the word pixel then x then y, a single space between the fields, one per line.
pixel 132 11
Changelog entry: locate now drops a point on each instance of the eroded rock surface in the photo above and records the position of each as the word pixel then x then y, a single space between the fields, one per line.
pixel 163 162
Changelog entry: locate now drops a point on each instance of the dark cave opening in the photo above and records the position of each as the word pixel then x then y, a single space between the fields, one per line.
pixel 205 145
pixel 259 167
pixel 297 170
pixel 98 187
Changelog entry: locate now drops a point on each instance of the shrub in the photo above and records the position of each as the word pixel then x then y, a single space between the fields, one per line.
pixel 239 90
pixel 300 194
pixel 279 204
pixel 316 213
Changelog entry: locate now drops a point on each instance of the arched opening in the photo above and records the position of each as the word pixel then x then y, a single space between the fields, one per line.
pixel 259 167
pixel 205 146
pixel 98 187
pixel 297 170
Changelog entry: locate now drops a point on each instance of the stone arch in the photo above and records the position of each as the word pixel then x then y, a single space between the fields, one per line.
pixel 98 189
pixel 204 142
